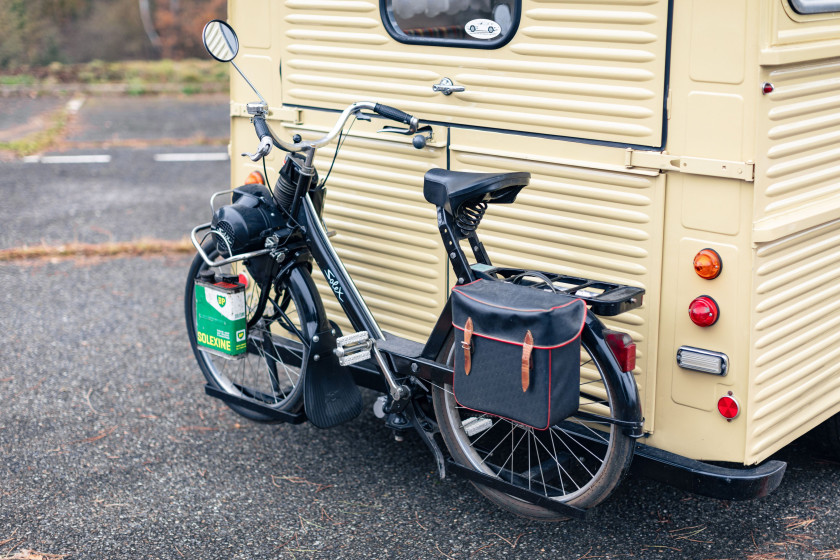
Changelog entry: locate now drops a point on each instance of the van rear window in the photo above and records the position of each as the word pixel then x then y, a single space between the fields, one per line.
pixel 815 6
pixel 485 24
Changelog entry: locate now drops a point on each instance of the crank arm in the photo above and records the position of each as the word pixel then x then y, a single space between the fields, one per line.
pixel 400 394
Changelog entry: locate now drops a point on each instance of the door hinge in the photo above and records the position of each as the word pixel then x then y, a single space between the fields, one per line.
pixel 283 114
pixel 743 170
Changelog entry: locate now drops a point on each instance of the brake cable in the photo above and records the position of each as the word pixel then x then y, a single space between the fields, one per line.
pixel 337 148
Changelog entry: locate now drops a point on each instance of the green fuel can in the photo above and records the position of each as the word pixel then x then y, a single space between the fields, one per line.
pixel 220 318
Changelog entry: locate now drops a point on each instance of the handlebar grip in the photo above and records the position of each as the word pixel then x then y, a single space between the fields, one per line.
pixel 261 127
pixel 393 114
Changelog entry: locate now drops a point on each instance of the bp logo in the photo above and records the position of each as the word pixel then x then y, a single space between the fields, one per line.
pixel 240 335
pixel 222 300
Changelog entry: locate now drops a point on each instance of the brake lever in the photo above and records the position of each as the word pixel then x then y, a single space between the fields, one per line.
pixel 398 130
pixel 262 151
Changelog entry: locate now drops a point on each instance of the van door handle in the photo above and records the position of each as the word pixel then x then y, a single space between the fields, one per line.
pixel 446 87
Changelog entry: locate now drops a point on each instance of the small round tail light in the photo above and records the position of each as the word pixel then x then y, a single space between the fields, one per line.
pixel 707 264
pixel 243 279
pixel 729 407
pixel 704 311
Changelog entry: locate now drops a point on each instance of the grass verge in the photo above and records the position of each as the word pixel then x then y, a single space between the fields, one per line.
pixel 135 77
pixel 41 140
pixel 140 247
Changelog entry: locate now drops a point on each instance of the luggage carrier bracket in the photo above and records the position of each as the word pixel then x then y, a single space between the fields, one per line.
pixel 605 298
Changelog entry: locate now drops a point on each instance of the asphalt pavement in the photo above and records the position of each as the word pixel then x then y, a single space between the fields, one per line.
pixel 109 448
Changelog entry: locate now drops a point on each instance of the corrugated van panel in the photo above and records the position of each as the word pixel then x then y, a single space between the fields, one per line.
pixel 583 222
pixel 386 232
pixel 584 70
pixel 796 348
pixel 800 174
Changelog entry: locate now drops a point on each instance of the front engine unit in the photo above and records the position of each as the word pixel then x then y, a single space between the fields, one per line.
pixel 242 226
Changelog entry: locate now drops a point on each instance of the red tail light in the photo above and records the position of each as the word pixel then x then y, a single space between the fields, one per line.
pixel 623 348
pixel 243 279
pixel 704 311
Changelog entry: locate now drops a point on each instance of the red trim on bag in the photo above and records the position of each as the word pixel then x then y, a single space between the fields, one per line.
pixel 505 417
pixel 580 330
pixel 474 333
pixel 547 420
pixel 513 308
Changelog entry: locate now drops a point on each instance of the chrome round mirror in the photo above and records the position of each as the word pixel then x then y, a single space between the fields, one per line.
pixel 220 40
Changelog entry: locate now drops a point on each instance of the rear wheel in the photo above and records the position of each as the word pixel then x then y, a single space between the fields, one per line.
pixel 578 462
pixel 270 371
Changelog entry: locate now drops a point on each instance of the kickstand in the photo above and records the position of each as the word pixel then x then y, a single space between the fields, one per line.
pixel 427 431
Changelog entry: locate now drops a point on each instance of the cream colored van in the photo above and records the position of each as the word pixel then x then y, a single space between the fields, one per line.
pixel 689 148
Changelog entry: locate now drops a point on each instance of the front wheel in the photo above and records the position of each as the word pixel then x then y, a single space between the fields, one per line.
pixel 270 372
pixel 578 462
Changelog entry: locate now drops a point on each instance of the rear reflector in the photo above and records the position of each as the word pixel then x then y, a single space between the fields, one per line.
pixel 623 348
pixel 729 407
pixel 706 361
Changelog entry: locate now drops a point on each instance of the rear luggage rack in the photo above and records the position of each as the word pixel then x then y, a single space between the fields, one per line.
pixel 605 298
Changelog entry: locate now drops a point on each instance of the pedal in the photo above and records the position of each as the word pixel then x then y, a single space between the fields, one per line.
pixel 353 348
pixel 475 425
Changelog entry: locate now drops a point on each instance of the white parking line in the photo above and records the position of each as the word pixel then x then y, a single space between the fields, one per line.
pixel 75 104
pixel 217 156
pixel 68 159
pixel 104 158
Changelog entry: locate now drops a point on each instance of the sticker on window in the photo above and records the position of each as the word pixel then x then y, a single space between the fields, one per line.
pixel 478 24
pixel 482 28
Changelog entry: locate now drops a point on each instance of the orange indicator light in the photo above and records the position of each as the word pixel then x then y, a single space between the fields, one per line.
pixel 254 177
pixel 707 264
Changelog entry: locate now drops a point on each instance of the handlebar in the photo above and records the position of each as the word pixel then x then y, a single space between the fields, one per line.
pixel 267 138
pixel 394 114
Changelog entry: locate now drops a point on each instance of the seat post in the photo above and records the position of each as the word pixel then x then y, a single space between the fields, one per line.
pixel 451 235
pixel 477 247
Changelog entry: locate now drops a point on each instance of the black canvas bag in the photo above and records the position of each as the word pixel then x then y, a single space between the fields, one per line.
pixel 517 351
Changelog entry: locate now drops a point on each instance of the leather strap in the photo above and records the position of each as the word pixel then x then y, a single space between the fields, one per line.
pixel 467 345
pixel 527 347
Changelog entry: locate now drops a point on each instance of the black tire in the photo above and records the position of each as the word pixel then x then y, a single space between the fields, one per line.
pixel 270 371
pixel 583 465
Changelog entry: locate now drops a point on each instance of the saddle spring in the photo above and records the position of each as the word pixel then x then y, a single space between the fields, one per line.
pixel 469 215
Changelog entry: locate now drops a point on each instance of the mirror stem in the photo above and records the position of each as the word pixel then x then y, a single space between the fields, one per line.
pixel 249 83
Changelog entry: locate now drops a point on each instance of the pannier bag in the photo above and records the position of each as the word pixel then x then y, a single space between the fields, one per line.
pixel 517 351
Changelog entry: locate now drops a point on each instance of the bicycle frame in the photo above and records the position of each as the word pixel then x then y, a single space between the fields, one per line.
pixel 426 365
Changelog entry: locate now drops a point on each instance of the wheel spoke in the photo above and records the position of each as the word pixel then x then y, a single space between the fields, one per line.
pixel 539 462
